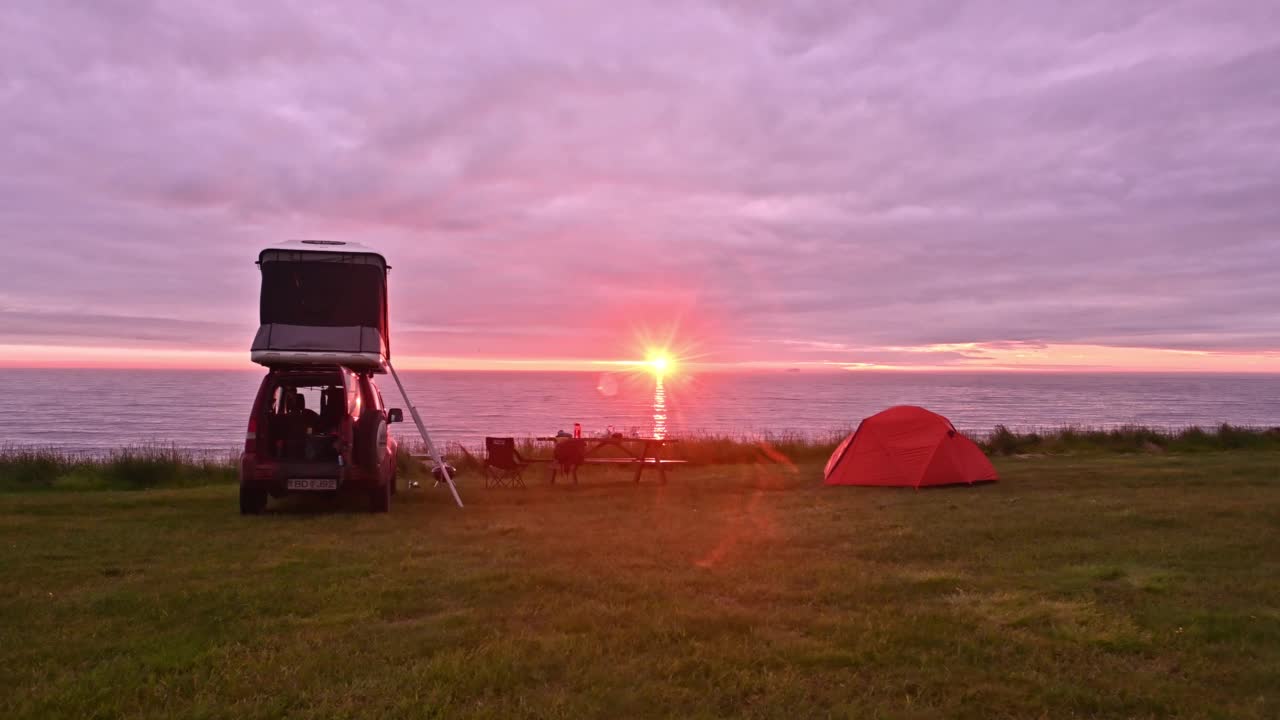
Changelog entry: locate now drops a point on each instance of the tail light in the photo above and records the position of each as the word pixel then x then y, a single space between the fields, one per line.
pixel 251 434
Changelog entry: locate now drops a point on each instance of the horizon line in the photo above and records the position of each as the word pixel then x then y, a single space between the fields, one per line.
pixel 700 369
pixel 1045 358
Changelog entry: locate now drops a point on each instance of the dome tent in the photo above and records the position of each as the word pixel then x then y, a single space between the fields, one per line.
pixel 907 446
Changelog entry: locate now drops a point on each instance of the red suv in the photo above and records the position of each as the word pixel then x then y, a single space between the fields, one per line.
pixel 318 429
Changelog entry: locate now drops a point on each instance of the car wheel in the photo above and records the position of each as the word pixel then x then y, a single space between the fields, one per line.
pixel 380 497
pixel 252 501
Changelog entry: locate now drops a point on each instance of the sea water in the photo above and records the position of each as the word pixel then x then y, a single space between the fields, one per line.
pixel 207 410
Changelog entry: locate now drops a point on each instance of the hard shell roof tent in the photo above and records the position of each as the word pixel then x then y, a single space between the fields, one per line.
pixel 323 302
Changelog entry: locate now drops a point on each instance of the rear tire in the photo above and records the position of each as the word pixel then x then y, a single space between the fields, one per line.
pixel 252 501
pixel 380 497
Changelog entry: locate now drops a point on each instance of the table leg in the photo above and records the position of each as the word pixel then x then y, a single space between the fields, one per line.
pixel 640 465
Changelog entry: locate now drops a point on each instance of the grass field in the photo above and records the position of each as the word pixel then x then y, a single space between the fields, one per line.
pixel 1079 586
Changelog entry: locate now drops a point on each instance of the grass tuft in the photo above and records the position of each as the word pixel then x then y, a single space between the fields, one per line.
pixel 31 468
pixel 1129 439
pixel 155 466
pixel 149 467
pixel 131 468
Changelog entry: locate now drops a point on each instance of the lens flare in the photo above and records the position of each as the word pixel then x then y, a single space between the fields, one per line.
pixel 607 385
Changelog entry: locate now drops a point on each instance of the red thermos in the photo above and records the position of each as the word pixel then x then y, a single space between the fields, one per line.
pixel 577 430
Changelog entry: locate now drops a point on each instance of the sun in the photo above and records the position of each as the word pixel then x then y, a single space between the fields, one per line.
pixel 659 362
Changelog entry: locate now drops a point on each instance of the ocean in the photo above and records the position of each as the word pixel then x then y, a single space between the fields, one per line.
pixel 94 411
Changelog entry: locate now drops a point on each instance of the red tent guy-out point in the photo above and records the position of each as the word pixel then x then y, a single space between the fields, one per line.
pixel 907 446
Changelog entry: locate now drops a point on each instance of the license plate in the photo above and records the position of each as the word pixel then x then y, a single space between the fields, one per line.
pixel 312 484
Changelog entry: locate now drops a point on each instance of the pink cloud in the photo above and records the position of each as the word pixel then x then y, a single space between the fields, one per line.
pixel 547 178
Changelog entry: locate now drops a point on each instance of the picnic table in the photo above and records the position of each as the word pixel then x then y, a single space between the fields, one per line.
pixel 649 455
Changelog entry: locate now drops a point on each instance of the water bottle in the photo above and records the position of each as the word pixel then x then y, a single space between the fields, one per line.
pixel 577 430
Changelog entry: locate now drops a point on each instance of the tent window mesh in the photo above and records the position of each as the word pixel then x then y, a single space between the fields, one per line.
pixel 326 294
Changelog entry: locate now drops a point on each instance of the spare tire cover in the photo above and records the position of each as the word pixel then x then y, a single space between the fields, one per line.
pixel 371 442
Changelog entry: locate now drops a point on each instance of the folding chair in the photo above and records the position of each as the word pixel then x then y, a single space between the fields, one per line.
pixel 503 466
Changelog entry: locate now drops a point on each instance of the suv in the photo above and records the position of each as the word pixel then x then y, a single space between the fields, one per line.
pixel 318 429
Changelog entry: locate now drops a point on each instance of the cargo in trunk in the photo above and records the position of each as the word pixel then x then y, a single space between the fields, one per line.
pixel 323 303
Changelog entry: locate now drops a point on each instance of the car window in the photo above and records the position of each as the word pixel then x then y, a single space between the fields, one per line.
pixel 312 396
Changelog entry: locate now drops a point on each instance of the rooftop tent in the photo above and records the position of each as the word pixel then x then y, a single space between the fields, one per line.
pixel 907 446
pixel 323 302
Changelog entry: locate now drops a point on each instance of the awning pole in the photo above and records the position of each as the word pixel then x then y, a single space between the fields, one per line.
pixel 422 429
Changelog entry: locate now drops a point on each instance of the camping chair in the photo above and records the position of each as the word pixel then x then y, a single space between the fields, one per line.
pixel 503 466
pixel 568 455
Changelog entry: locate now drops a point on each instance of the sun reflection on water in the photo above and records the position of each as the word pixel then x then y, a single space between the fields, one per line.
pixel 659 409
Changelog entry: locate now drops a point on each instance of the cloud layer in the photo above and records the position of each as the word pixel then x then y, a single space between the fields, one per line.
pixel 815 181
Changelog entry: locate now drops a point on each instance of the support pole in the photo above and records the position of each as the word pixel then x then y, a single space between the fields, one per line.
pixel 422 429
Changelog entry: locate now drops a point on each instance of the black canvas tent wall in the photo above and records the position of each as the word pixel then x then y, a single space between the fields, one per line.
pixel 323 302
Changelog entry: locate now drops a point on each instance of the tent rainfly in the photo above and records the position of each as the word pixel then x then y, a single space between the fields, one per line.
pixel 323 302
pixel 907 446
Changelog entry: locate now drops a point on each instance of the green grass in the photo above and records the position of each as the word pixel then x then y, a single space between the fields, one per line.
pixel 1142 586
pixel 132 468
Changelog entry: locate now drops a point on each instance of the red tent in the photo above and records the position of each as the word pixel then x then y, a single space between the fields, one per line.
pixel 907 446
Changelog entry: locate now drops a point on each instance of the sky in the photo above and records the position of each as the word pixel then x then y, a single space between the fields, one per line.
pixel 861 185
